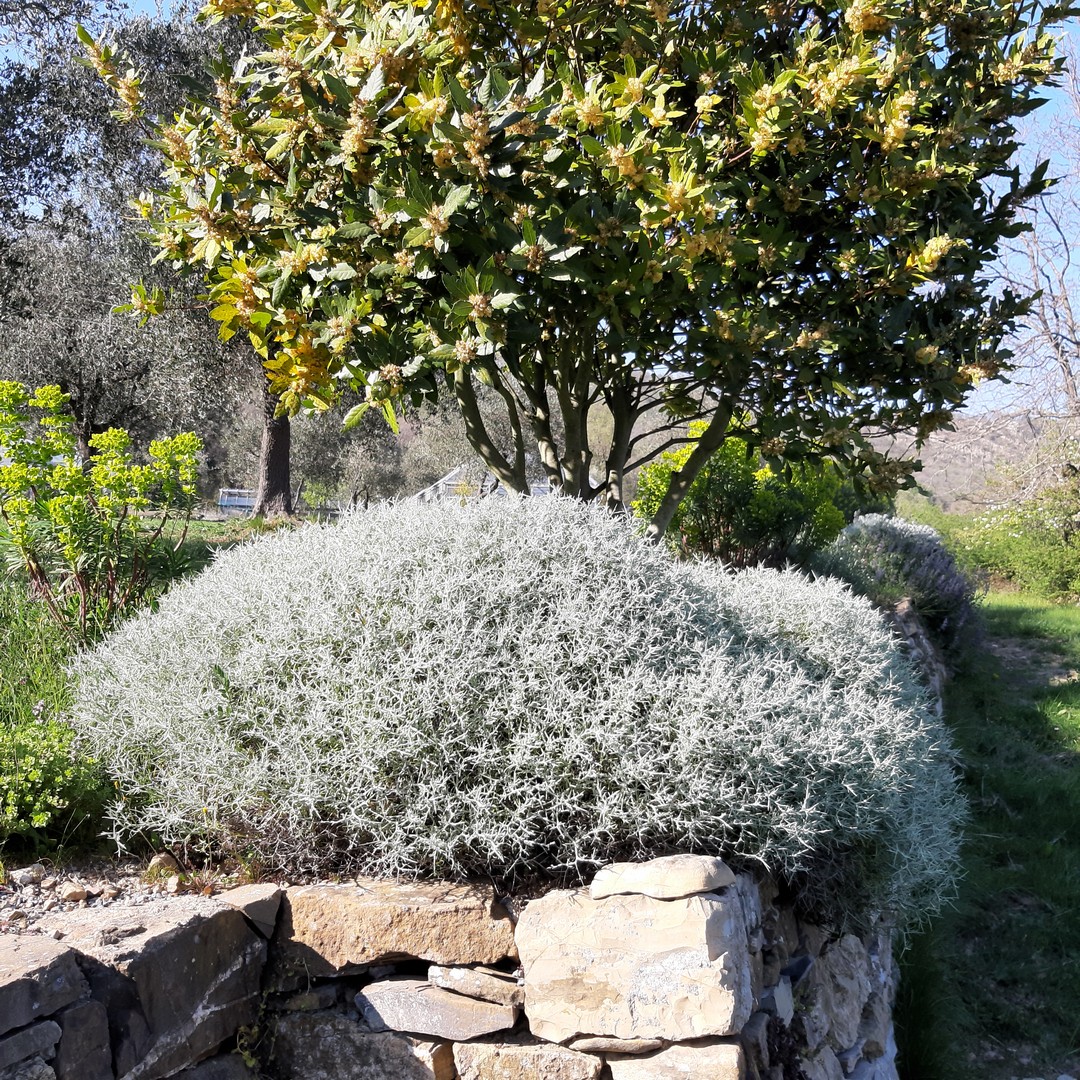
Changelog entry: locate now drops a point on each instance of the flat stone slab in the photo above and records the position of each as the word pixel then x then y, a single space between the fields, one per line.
pixel 334 929
pixel 523 1061
pixel 39 1039
pixel 632 967
pixel 712 1060
pixel 483 983
pixel 416 1006
pixel 670 877
pixel 598 1044
pixel 38 976
pixel 330 1046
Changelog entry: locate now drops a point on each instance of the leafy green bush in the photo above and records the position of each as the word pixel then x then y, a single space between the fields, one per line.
pixel 521 686
pixel 80 533
pixel 49 793
pixel 1035 544
pixel 740 510
pixel 887 559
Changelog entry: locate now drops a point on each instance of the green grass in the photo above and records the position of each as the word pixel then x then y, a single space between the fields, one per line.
pixel 50 796
pixel 990 992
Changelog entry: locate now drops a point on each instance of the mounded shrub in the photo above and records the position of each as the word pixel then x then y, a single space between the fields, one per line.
pixel 516 687
pixel 887 559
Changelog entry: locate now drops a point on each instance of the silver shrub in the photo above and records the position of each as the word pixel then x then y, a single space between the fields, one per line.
pixel 523 686
pixel 887 559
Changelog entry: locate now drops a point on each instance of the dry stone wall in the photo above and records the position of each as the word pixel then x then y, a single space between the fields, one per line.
pixel 676 968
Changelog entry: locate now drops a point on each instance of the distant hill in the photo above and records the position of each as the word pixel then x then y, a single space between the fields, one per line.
pixel 961 467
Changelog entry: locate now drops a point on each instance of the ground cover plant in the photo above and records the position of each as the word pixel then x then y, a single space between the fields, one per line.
pixel 521 686
pixel 50 794
pixel 989 993
pixel 888 559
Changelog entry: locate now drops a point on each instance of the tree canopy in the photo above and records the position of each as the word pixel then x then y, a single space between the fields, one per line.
pixel 774 217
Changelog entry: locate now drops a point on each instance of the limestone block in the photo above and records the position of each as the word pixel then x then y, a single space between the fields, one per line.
pixel 416 1006
pixel 707 1060
pixel 523 1061
pixel 38 976
pixel 37 1040
pixel 85 1052
pixel 484 983
pixel 223 1067
pixel 597 1044
pixel 335 929
pixel 633 967
pixel 668 878
pixel 330 1046
pixel 842 988
pixel 177 977
pixel 258 903
pixel 822 1065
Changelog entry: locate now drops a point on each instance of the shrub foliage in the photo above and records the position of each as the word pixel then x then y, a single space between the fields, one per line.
pixel 887 559
pixel 522 686
pixel 742 510
pixel 85 535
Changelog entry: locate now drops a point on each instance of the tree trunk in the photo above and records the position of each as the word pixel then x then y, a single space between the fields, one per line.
pixel 274 496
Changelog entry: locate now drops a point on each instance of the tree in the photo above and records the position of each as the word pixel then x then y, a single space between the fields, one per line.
pixel 775 218
pixel 70 246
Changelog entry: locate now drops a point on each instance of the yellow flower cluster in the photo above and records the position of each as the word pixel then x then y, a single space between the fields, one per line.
pixel 866 16
pixel 627 164
pixel 297 260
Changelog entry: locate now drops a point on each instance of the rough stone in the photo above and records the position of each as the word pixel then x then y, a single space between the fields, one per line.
pixel 484 983
pixel 84 1052
pixel 318 997
pixel 597 1044
pixel 71 892
pixel 27 875
pixel 34 1069
pixel 259 904
pixel 38 1040
pixel 177 977
pixel 822 1065
pixel 668 878
pixel 634 967
pixel 337 929
pixel 330 1046
pixel 874 1027
pixel 223 1067
pixel 779 1001
pixel 841 983
pixel 755 1040
pixel 38 976
pixel 416 1006
pixel 705 1060
pixel 523 1061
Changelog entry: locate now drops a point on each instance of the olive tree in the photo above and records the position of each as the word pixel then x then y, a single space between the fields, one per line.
pixel 774 217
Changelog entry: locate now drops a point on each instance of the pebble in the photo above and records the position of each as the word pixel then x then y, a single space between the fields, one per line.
pixel 163 862
pixel 28 875
pixel 72 892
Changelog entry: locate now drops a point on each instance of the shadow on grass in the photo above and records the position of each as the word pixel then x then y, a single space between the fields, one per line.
pixel 991 988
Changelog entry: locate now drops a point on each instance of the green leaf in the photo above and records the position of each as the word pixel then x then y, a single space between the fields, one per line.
pixel 355 415
pixel 456 199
